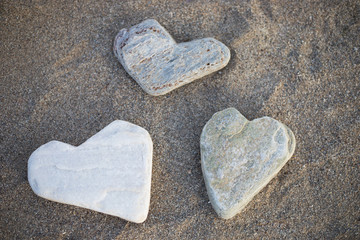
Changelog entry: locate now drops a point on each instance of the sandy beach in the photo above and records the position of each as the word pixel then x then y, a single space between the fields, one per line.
pixel 295 61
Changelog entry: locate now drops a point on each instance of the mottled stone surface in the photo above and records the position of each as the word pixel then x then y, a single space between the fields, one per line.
pixel 109 173
pixel 159 65
pixel 294 61
pixel 239 157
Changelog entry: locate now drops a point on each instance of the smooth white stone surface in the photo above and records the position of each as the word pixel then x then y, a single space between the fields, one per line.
pixel 240 157
pixel 109 173
pixel 159 65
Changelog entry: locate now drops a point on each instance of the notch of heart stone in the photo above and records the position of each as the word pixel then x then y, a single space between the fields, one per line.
pixel 159 65
pixel 240 157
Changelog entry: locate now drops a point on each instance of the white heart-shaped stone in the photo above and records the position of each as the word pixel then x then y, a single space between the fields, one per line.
pixel 109 173
pixel 240 157
pixel 159 65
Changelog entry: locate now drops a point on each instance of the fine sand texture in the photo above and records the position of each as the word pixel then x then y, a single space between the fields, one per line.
pixel 295 61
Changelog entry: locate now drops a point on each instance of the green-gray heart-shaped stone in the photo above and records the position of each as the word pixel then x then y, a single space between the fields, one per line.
pixel 239 157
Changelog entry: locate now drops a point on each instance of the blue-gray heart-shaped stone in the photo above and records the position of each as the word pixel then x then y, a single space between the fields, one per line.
pixel 159 64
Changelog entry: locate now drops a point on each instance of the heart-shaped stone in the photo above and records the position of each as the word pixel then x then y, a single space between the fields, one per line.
pixel 109 173
pixel 239 157
pixel 159 65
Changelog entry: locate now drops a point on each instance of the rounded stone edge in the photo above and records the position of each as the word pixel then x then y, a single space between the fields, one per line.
pixel 292 140
pixel 31 166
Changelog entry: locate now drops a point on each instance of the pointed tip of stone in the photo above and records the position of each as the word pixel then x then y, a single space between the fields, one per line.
pixel 226 215
pixel 139 219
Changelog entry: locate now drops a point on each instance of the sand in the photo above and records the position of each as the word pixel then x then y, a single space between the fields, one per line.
pixel 295 61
